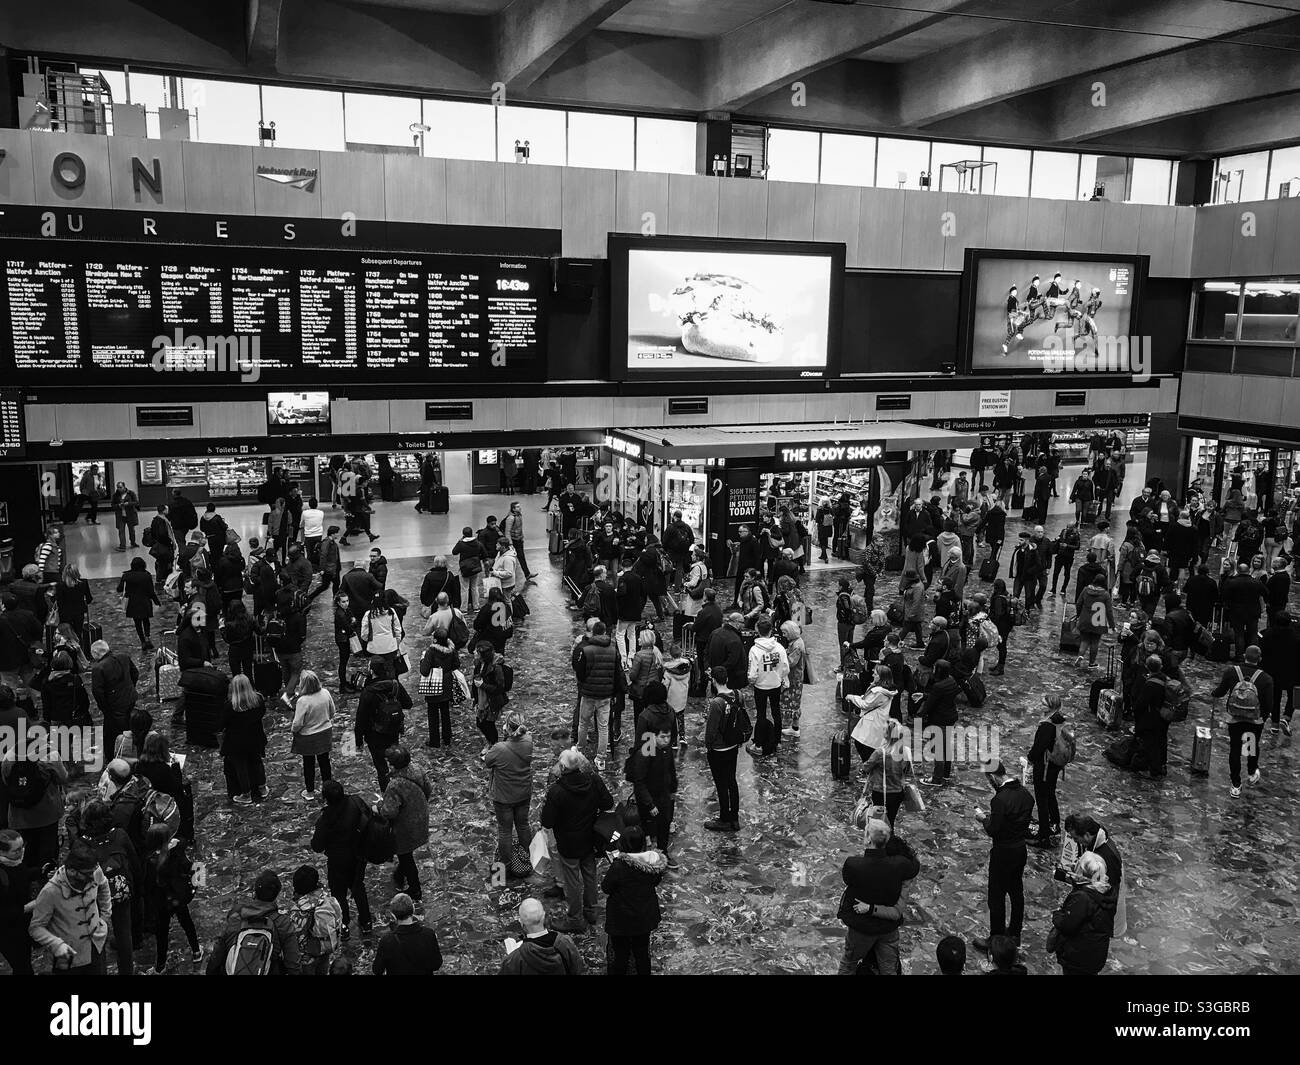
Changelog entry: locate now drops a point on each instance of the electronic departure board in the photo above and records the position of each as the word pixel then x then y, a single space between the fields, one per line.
pixel 13 431
pixel 100 313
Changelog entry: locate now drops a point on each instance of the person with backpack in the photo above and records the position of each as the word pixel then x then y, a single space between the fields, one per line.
pixel 1151 580
pixel 257 939
pixel 382 632
pixel 1026 570
pixel 172 880
pixel 491 685
pixel 286 633
pixel 338 835
pixel 1249 697
pixel 72 914
pixel 726 730
pixel 1007 826
pixel 406 807
pixel 469 553
pixel 874 709
pixel 318 920
pixel 888 769
pixel 1095 617
pixel 121 865
pixel 844 613
pixel 33 788
pixel 437 581
pixel 768 674
pixel 113 680
pixel 510 787
pixel 381 716
pixel 651 769
pixel 1084 925
pixel 410 947
pixel 1053 749
pixel 939 712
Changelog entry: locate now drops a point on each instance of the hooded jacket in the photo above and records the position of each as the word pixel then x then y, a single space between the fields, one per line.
pixel 255 913
pixel 769 666
pixel 1084 924
pixel 677 679
pixel 877 876
pixel 653 776
pixel 633 905
pixel 940 706
pixel 510 762
pixel 1094 606
pixel 570 810
pixel 406 805
pixel 549 954
pixel 78 918
pixel 337 834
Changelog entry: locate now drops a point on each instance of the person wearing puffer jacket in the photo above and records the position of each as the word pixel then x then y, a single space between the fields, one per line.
pixel 1096 617
pixel 632 911
pixel 1082 927
pixel 406 805
pixel 72 915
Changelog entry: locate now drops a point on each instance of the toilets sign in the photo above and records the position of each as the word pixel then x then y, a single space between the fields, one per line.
pixel 830 455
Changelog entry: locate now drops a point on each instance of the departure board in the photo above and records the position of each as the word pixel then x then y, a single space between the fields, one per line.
pixel 13 432
pixel 108 313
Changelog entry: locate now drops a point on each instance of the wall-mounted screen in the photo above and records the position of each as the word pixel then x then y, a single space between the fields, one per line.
pixel 134 314
pixel 1041 312
pixel 698 307
pixel 297 413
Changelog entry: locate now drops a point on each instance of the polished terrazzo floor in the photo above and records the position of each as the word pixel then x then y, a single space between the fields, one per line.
pixel 1212 881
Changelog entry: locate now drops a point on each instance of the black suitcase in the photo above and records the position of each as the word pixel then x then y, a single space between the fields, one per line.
pixel 1220 646
pixel 841 756
pixel 679 625
pixel 1120 753
pixel 204 680
pixel 90 632
pixel 1071 639
pixel 989 570
pixel 1017 500
pixel 1103 683
pixel 203 712
pixel 70 512
pixel 439 500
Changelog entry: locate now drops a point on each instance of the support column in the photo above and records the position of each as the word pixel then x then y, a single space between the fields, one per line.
pixel 712 138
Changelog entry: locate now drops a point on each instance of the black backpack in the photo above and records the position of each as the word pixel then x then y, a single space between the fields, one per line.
pixel 27 783
pixel 385 719
pixel 507 676
pixel 735 727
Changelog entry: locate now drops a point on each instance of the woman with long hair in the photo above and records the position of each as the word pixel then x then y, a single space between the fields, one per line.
pixel 438 666
pixel 63 693
pixel 510 787
pixel 72 595
pixel 382 632
pixel 243 743
pixel 313 730
pixel 796 652
pixel 157 766
pixel 647 665
pixel 240 634
pixel 406 806
pixel 874 707
pixel 490 695
pixel 887 767
pixel 495 621
pixel 136 587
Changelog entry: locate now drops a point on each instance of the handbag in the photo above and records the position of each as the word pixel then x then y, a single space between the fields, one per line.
pixel 460 693
pixel 401 664
pixel 520 864
pixel 354 644
pixel 913 801
pixel 539 854
pixel 432 685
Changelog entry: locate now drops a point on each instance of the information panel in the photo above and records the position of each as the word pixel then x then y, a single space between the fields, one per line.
pixel 100 313
pixel 13 432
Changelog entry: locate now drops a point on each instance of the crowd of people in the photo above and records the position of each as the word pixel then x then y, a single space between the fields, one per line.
pixel 91 866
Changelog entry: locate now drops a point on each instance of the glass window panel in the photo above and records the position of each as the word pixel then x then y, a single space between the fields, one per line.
pixel 665 145
pixel 1010 177
pixel 1088 175
pixel 952 180
pixel 603 141
pixel 899 163
pixel 792 155
pixel 1150 181
pixel 1216 310
pixel 848 160
pixel 304 118
pixel 225 112
pixel 116 81
pixel 1055 176
pixel 460 130
pixel 542 128
pixel 1270 310
pixel 371 119
pixel 1285 171
pixel 1240 178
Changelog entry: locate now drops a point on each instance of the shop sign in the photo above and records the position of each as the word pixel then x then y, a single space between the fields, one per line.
pixel 830 455
pixel 995 404
pixel 623 445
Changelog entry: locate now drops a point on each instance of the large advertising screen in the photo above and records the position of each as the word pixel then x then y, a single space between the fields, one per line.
pixel 691 307
pixel 1032 312
pixel 123 314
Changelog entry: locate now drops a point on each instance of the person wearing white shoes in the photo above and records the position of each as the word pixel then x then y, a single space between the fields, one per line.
pixel 313 730
pixel 1249 691
pixel 769 672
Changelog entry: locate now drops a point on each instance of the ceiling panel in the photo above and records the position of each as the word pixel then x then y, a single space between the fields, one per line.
pixel 442 7
pixel 690 18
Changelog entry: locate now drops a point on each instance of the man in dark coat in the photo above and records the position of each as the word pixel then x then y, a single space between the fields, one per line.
pixel 873 884
pixel 182 515
pixel 726 648
pixel 1007 826
pixel 1279 645
pixel 1243 599
pixel 572 805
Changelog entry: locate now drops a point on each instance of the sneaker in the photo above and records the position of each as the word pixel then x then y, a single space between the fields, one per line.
pixel 600 764
pixel 1253 778
pixel 789 732
pixel 927 782
pixel 1234 791
pixel 242 800
pixel 1286 728
pixel 196 956
pixel 345 933
pixel 308 795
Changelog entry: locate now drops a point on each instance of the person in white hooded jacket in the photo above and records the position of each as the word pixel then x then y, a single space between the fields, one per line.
pixel 769 672
pixel 506 569
pixel 874 708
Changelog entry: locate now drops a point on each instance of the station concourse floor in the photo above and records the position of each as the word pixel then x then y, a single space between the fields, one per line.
pixel 1211 880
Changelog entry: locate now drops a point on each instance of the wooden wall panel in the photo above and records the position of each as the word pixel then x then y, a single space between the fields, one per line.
pixel 742 208
pixel 171 169
pixel 476 193
pixel 415 189
pixel 352 181
pixel 534 196
pixel 588 210
pixel 970 219
pixel 880 229
pixel 637 195
pixel 1008 222
pixel 93 151
pixel 836 217
pixel 1253 253
pixel 791 210
pixel 693 205
pixel 1044 226
pixel 273 199
pixel 923 225
pixel 218 178
pixel 17 180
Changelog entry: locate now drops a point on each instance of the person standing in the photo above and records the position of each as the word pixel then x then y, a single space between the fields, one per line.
pixel 542 951
pixel 570 810
pixel 16 883
pixel 243 742
pixel 162 545
pixel 513 529
pixel 72 914
pixel 1279 647
pixel 1007 826
pixel 1106 484
pixel 126 514
pixel 870 906
pixel 939 712
pixel 313 730
pixel 1084 925
pixel 510 785
pixel 113 680
pixel 1249 693
pixel 596 665
pixel 1149 725
pixel 411 948
pixel 888 768
pixel 1243 600
pixel 338 835
pixel 632 912
pixel 312 531
pixel 1048 755
pixel 726 729
pixel 381 716
pixel 34 790
pixel 652 772
pixel 1095 617
pixel 88 490
pixel 1067 543
pixel 490 696
pixel 406 806
pixel 438 666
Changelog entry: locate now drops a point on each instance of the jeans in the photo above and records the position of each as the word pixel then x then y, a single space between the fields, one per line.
pixel 162 566
pixel 1007 878
pixel 518 545
pixel 309 763
pixel 408 875
pixel 579 878
pixel 1002 647
pixel 241 659
pixel 377 747
pixel 722 764
pixel 163 927
pixel 1237 733
pixel 512 819
pixel 472 587
pixel 439 722
pixel 891 801
pixel 350 879
pixel 1088 644
pixel 771 699
pixel 142 630
pixel 882 946
pixel 587 707
pixel 1278 692
pixel 1245 631
pixel 1049 813
pixel 625 949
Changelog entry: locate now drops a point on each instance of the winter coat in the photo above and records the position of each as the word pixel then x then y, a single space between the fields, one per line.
pixel 940 706
pixel 510 763
pixel 727 649
pixel 1094 605
pixel 677 679
pixel 1084 924
pixel 64 699
pixel 138 588
pixel 647 665
pixel 78 918
pixel 595 661
pixel 243 734
pixel 549 954
pixel 49 811
pixel 633 905
pixel 255 913
pixel 653 776
pixel 570 810
pixel 437 580
pixel 337 834
pixel 406 805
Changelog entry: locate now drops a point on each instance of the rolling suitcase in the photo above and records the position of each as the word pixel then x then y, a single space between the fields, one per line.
pixel 1202 742
pixel 1220 649
pixel 1102 684
pixel 989 570
pixel 439 500
pixel 266 670
pixel 571 586
pixel 680 621
pixel 1071 640
pixel 841 755
pixel 1090 511
pixel 1017 501
pixel 90 632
